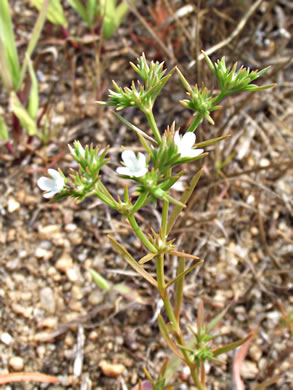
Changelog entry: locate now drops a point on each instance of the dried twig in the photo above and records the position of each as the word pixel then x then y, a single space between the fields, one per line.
pixel 234 34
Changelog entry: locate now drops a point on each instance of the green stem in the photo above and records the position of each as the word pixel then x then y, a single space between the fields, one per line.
pixel 140 202
pixel 165 213
pixel 196 121
pixel 164 220
pixel 141 235
pixel 219 98
pixel 104 197
pixel 172 319
pixel 151 119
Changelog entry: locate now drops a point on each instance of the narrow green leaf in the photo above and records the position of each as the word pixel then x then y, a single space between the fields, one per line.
pixel 133 127
pixel 92 12
pixel 8 42
pixel 179 280
pixel 209 62
pixel 211 141
pixel 33 102
pixel 130 294
pixel 230 347
pixel 184 199
pixel 168 340
pixel 3 130
pixel 121 12
pixel 183 274
pixel 55 13
pixel 33 41
pixel 5 71
pixel 100 280
pixel 79 8
pixel 132 262
pixel 185 83
pixel 147 258
pixel 23 116
pixel 212 324
pixel 148 375
pixel 200 316
pixel 107 9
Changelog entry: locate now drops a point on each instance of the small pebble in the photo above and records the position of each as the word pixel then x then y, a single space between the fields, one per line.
pixel 49 322
pixel 16 363
pixel 95 297
pixel 42 253
pixel 6 338
pixel 75 305
pixel 64 263
pixel 76 292
pixel 70 227
pixel 26 312
pixel 72 275
pixel 249 369
pixel 111 370
pixel 255 352
pixel 75 237
pixel 12 205
pixel 47 231
pixel 47 300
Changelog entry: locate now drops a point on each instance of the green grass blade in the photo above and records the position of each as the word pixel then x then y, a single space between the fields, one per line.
pixel 22 114
pixel 132 262
pixel 5 72
pixel 121 12
pixel 33 102
pixel 165 333
pixel 79 8
pixel 230 347
pixel 3 130
pixel 108 13
pixel 55 13
pixel 179 287
pixel 34 39
pixel 8 42
pixel 184 198
pixel 100 280
pixel 92 12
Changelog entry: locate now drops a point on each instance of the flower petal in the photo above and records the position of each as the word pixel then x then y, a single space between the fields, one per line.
pixel 194 153
pixel 177 138
pixel 128 157
pixel 188 140
pixel 123 171
pixel 45 184
pixel 141 160
pixel 57 179
pixel 49 194
pixel 140 172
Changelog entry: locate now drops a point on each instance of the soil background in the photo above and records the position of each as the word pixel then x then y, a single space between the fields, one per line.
pixel 53 318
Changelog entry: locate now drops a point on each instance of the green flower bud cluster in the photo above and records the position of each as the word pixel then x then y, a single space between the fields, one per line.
pixel 152 74
pixel 201 102
pixel 166 155
pixel 140 95
pixel 157 186
pixel 231 80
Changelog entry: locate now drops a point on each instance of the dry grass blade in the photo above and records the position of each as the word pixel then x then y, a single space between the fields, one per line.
pixel 27 377
pixel 132 262
pixel 184 273
pixel 168 340
pixel 234 34
pixel 184 199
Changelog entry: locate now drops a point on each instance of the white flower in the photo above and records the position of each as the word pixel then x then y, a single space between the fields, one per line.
pixel 185 144
pixel 134 166
pixel 51 186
